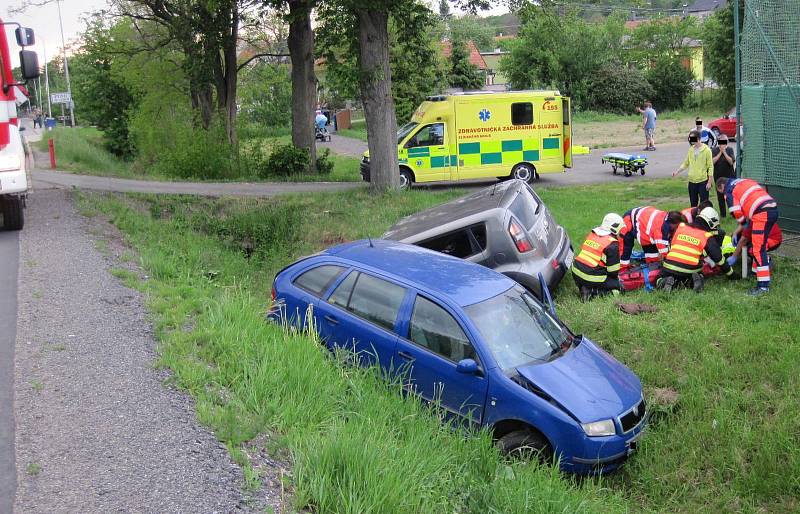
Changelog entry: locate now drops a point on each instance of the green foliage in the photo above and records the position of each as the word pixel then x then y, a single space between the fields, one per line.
pixel 472 28
pixel 561 51
pixel 463 73
pixel 662 37
pixel 285 160
pixel 84 150
pixel 265 94
pixel 324 162
pixel 104 97
pixel 618 88
pixel 671 83
pixel 718 48
pixel 417 70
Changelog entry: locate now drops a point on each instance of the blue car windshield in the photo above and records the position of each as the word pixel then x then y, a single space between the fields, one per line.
pixel 517 329
pixel 405 130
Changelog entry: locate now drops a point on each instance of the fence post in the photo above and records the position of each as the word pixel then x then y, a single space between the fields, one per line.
pixel 52 148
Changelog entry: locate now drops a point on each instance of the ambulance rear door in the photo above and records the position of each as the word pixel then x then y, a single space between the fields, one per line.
pixel 550 131
pixel 566 131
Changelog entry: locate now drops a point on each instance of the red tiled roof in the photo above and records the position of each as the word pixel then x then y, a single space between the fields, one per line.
pixel 475 56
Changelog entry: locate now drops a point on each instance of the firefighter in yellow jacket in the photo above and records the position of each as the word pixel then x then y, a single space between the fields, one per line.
pixel 683 264
pixel 596 267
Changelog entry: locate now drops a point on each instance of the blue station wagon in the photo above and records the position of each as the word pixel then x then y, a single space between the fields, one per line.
pixel 473 341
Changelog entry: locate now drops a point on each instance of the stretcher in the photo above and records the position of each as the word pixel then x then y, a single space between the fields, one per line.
pixel 628 163
pixel 641 275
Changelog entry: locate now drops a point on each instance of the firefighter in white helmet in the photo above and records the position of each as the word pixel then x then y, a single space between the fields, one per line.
pixel 596 267
pixel 690 243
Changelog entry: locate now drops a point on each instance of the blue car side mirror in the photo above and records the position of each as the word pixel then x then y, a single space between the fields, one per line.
pixel 467 366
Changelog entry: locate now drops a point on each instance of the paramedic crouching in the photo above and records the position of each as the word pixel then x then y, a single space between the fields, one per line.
pixel 596 267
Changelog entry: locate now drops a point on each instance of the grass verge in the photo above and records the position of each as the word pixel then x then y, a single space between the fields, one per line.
pixel 81 150
pixel 728 443
pixel 354 441
pixel 357 130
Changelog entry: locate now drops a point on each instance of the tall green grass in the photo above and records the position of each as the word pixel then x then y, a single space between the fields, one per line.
pixel 356 444
pixel 729 444
pixel 81 149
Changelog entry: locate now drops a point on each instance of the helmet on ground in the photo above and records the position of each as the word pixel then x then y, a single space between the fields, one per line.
pixel 612 222
pixel 710 216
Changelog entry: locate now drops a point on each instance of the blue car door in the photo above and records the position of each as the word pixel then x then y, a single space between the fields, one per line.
pixel 432 344
pixel 360 316
pixel 310 285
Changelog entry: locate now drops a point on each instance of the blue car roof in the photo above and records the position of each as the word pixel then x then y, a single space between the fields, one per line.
pixel 464 282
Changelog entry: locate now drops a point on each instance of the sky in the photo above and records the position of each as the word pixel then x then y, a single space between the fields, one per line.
pixel 44 22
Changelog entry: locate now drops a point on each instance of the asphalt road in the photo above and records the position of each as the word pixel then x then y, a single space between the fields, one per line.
pixel 9 262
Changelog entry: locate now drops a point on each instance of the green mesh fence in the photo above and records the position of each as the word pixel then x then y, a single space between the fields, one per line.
pixel 770 87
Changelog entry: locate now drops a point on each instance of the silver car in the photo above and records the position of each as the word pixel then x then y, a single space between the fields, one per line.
pixel 505 227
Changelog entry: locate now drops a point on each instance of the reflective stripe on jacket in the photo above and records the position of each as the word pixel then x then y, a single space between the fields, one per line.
pixel 597 258
pixel 651 228
pixel 745 197
pixel 686 252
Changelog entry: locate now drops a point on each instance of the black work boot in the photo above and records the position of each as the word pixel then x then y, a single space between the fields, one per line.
pixel 697 282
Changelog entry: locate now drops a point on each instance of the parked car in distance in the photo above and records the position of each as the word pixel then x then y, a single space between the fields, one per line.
pixel 506 227
pixel 473 341
pixel 725 125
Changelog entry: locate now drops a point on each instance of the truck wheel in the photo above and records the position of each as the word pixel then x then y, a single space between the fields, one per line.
pixel 525 445
pixel 524 171
pixel 13 214
pixel 406 179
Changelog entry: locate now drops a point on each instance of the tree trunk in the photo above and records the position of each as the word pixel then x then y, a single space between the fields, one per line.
pixel 304 82
pixel 376 93
pixel 231 75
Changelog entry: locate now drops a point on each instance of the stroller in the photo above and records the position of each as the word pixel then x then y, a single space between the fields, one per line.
pixel 321 133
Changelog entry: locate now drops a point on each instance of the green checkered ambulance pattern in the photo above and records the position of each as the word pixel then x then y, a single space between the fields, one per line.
pixel 480 153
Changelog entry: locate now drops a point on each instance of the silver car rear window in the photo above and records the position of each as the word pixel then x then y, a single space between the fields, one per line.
pixel 524 208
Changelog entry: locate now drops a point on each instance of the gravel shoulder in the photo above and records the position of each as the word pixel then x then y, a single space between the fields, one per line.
pixel 98 430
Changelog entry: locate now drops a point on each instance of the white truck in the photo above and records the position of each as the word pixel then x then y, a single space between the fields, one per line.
pixel 13 162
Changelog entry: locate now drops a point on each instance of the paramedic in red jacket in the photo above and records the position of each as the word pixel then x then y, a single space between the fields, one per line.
pixel 653 229
pixel 749 202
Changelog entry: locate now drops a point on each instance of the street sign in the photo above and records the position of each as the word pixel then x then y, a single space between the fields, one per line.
pixel 60 98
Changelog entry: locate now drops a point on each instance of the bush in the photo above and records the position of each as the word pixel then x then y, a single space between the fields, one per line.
pixel 671 83
pixel 324 162
pixel 617 88
pixel 285 160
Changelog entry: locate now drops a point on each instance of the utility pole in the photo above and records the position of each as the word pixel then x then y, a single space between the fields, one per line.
pixel 47 81
pixel 66 66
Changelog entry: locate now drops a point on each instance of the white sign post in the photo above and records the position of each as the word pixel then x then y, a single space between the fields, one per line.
pixel 60 98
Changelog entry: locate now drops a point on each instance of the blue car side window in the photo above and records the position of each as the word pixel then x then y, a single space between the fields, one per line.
pixel 370 298
pixel 434 328
pixel 317 280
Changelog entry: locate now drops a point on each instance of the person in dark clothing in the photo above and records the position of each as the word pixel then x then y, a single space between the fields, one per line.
pixel 724 161
pixel 684 262
pixel 596 267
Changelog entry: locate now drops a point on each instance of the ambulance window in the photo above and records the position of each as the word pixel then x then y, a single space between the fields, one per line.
pixel 430 135
pixel 522 113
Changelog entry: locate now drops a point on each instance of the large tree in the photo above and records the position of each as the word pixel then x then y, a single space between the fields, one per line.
pixel 375 82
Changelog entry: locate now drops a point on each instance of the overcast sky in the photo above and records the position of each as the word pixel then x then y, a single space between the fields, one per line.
pixel 44 22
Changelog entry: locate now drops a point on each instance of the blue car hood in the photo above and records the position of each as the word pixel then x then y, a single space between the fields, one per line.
pixel 591 384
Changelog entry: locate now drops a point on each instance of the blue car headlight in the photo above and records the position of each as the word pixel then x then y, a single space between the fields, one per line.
pixel 599 428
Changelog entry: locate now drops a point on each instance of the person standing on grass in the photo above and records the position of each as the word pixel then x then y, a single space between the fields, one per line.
pixel 649 126
pixel 752 204
pixel 699 162
pixel 724 166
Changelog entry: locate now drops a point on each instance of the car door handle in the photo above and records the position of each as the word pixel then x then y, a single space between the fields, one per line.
pixel 330 319
pixel 405 355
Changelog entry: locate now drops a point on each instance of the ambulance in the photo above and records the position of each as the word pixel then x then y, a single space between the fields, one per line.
pixel 483 135
pixel 13 164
